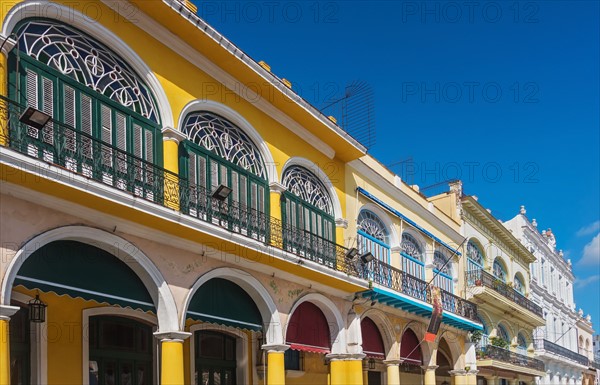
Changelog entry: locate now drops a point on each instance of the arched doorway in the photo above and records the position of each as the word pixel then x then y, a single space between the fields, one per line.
pixel 374 350
pixel 223 317
pixel 72 278
pixel 444 361
pixel 412 358
pixel 215 358
pixel 120 351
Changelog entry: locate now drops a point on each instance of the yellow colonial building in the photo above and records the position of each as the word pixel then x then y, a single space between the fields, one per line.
pixel 174 213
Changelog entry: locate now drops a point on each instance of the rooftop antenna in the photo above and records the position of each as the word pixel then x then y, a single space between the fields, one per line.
pixel 356 111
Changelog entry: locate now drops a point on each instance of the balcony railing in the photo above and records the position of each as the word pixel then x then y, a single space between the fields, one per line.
pixel 551 347
pixel 483 278
pixel 594 364
pixel 491 352
pixel 402 282
pixel 75 151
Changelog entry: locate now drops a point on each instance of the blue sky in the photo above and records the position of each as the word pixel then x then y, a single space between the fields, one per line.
pixel 502 94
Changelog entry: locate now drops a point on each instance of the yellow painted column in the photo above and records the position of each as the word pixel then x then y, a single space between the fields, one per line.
pixel 471 378
pixel 393 372
pixel 492 380
pixel 275 364
pixel 5 313
pixel 8 45
pixel 346 369
pixel 341 225
pixel 459 377
pixel 4 353
pixel 365 373
pixel 171 365
pixel 337 372
pixel 429 375
pixel 171 139
pixel 354 372
pixel 276 190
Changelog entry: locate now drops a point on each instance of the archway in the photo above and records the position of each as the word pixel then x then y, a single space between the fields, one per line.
pixel 119 248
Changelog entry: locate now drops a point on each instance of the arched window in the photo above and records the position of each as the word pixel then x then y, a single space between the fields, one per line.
pixel 217 153
pixel 475 256
pixel 110 117
pixel 499 270
pixel 502 333
pixel 373 236
pixel 518 284
pixel 521 344
pixel 412 253
pixel 308 207
pixel 442 270
pixel 485 333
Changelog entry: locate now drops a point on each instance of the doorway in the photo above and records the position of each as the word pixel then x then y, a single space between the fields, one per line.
pixel 120 351
pixel 215 358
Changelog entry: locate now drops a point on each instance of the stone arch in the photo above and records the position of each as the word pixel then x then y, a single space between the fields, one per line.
pixel 426 256
pixel 475 241
pixel 337 328
pixel 136 259
pixel 386 329
pixel 419 330
pixel 320 174
pixel 70 16
pixel 258 293
pixel 238 120
pixel 454 348
pixel 387 221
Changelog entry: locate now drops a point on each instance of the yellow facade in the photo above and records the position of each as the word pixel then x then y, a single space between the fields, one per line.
pixel 174 251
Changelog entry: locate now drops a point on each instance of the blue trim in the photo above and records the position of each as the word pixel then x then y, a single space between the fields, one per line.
pixel 404 218
pixel 371 238
pixel 417 307
pixel 411 258
pixel 442 274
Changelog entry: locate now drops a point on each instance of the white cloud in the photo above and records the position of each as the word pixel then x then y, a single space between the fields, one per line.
pixel 589 229
pixel 591 253
pixel 580 283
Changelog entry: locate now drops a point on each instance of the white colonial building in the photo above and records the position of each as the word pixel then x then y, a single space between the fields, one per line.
pixel 552 288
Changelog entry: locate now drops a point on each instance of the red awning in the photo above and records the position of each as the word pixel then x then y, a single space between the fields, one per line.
pixel 410 351
pixel 372 342
pixel 308 330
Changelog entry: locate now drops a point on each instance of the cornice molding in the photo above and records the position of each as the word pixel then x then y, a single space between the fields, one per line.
pixel 176 44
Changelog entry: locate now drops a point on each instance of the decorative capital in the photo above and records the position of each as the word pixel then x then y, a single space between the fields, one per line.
pixel 392 362
pixel 7 43
pixel 341 222
pixel 7 311
pixel 458 372
pixel 473 372
pixel 275 348
pixel 396 249
pixel 346 357
pixel 172 336
pixel 277 187
pixel 171 134
pixel 429 367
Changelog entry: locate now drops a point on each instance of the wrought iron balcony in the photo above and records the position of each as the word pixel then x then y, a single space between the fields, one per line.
pixel 480 277
pixel 543 344
pixel 491 352
pixel 77 152
pixel 595 364
pixel 402 282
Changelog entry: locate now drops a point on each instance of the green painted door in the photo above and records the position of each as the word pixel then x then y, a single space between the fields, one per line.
pixel 215 358
pixel 120 351
pixel 20 347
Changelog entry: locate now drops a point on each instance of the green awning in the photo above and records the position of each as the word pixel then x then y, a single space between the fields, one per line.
pixel 223 302
pixel 80 270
